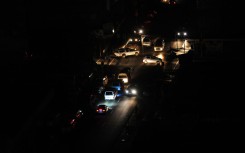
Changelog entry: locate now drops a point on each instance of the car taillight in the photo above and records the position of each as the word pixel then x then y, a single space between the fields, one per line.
pixel 72 121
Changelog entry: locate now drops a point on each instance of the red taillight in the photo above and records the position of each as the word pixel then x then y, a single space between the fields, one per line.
pixel 72 121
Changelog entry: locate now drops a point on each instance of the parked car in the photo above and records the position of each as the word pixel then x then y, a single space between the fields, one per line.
pixel 152 60
pixel 159 44
pixel 123 52
pixel 146 42
pixel 134 44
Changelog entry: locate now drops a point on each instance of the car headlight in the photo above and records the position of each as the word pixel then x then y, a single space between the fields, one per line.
pixel 126 91
pixel 134 91
pixel 125 80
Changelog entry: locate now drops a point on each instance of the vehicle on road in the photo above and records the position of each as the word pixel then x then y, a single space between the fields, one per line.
pixel 102 109
pixel 152 60
pixel 110 94
pixel 123 77
pixel 131 90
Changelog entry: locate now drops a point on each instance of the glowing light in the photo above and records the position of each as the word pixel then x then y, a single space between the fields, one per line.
pixel 161 56
pixel 140 31
pixel 134 91
pixel 125 80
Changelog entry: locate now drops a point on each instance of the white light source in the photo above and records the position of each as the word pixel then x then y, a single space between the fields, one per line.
pixel 134 91
pixel 140 31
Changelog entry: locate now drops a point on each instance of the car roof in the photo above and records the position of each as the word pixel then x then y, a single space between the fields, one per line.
pixel 101 106
pixel 115 81
pixel 109 89
pixel 122 74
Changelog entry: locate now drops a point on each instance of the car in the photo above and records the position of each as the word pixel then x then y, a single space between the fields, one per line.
pixel 102 109
pixel 146 42
pixel 123 77
pixel 123 52
pixel 110 94
pixel 172 2
pixel 128 71
pixel 152 60
pixel 159 44
pixel 131 90
pixel 75 119
pixel 134 44
pixel 67 122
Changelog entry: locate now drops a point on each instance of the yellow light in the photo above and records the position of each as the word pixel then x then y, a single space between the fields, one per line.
pixel 160 56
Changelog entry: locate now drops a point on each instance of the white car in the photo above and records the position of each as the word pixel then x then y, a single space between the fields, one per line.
pixel 110 95
pixel 152 60
pixel 123 52
pixel 123 77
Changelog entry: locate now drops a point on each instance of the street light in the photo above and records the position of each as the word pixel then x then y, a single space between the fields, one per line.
pixel 140 31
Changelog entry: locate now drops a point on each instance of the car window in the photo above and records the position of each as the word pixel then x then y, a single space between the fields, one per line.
pixel 109 93
pixel 120 50
pixel 159 42
pixel 146 40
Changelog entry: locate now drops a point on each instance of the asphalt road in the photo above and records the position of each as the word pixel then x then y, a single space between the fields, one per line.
pixel 192 108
